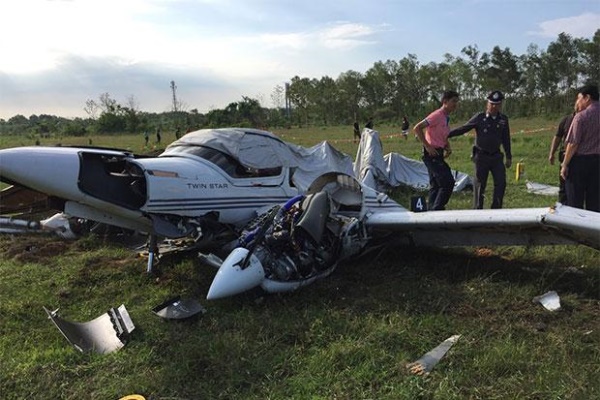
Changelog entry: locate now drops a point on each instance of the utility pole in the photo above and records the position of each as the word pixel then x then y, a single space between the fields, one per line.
pixel 174 90
pixel 288 104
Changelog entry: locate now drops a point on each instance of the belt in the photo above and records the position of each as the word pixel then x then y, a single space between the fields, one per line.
pixel 489 153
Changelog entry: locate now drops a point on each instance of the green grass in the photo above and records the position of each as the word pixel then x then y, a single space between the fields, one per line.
pixel 346 337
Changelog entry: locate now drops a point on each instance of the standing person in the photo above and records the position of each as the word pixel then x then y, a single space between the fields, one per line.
pixel 436 148
pixel 158 135
pixel 492 131
pixel 146 137
pixel 369 123
pixel 177 133
pixel 356 131
pixel 558 141
pixel 405 126
pixel 581 166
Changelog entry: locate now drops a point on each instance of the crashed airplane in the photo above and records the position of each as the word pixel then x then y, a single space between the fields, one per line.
pixel 287 215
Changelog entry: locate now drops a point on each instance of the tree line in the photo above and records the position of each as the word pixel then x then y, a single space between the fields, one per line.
pixel 541 82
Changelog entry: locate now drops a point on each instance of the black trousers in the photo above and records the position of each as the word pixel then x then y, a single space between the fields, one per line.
pixel 583 182
pixel 562 190
pixel 441 181
pixel 484 164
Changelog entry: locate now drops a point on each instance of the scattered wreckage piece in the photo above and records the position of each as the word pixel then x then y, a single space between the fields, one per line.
pixel 425 364
pixel 178 308
pixel 549 300
pixel 58 224
pixel 104 334
pixel 541 189
pixel 16 200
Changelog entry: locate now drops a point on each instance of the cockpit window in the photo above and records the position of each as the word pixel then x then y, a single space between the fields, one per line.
pixel 224 161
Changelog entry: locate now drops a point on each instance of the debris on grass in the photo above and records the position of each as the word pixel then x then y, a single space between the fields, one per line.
pixel 177 308
pixel 105 334
pixel 549 300
pixel 425 364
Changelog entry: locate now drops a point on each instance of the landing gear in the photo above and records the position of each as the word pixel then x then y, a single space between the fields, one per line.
pixel 152 252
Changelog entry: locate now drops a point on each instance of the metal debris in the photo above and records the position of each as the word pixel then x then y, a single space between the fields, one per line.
pixel 211 260
pixel 105 334
pixel 549 300
pixel 425 364
pixel 177 308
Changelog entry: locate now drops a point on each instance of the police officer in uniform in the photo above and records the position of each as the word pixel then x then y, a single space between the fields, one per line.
pixel 492 131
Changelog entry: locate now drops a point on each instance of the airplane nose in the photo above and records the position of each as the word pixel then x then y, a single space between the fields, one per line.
pixel 51 170
pixel 231 279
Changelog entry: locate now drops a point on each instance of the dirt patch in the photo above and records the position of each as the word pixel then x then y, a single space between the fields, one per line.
pixel 32 249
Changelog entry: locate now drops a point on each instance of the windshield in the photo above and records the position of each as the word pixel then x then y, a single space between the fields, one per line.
pixel 230 165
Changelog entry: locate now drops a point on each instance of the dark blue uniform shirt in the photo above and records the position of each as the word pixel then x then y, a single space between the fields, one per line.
pixel 491 132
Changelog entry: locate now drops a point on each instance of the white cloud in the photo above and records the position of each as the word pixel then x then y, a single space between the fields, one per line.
pixel 583 25
pixel 346 36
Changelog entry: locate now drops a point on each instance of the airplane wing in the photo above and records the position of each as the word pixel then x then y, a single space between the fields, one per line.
pixel 523 226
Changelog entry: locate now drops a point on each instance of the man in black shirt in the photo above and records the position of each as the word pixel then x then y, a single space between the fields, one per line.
pixel 558 141
pixel 356 131
pixel 492 131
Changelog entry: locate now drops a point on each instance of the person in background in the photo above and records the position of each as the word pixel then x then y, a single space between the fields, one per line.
pixel 405 126
pixel 581 167
pixel 492 131
pixel 356 131
pixel 158 137
pixel 436 148
pixel 146 137
pixel 558 142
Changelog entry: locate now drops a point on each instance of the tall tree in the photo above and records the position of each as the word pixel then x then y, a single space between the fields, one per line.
pixel 350 95
pixel 591 58
pixel 299 93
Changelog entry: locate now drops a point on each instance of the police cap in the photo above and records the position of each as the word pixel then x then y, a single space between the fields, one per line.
pixel 495 97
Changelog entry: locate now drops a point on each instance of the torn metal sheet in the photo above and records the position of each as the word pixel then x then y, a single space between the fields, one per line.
pixel 105 334
pixel 211 260
pixel 425 364
pixel 540 188
pixel 549 300
pixel 177 308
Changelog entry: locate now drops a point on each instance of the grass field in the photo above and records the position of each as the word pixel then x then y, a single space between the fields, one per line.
pixel 346 337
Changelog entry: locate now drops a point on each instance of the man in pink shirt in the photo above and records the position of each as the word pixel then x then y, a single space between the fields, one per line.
pixel 581 166
pixel 436 148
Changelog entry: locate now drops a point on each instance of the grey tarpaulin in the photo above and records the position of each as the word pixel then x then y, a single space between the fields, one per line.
pixel 260 149
pixel 381 172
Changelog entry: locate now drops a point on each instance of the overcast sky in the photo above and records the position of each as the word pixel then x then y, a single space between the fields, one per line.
pixel 56 54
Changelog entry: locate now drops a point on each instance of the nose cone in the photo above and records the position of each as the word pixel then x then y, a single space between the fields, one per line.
pixel 50 170
pixel 231 279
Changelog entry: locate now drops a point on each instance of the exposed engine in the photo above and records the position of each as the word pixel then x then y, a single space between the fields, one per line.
pixel 303 238
pixel 293 245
